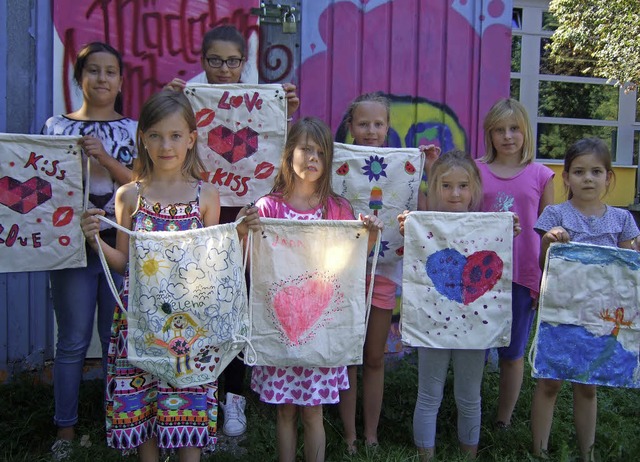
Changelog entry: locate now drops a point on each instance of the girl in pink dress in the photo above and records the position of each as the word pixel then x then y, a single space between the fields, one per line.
pixel 302 191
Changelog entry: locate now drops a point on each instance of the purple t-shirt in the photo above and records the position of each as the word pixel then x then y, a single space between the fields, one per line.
pixel 273 206
pixel 520 194
pixel 613 227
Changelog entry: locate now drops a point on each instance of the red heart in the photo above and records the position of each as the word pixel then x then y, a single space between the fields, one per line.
pixel 233 146
pixel 298 308
pixel 235 101
pixel 23 197
pixel 481 272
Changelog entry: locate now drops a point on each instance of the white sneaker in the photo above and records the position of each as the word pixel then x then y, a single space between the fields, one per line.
pixel 235 422
pixel 61 450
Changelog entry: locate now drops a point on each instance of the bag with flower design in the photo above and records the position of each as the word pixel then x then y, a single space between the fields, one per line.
pixel 187 303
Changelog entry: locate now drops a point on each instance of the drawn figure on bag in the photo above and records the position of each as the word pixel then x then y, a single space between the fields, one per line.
pixel 179 345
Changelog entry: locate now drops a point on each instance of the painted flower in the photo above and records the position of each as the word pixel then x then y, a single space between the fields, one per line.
pixel 374 168
pixel 384 245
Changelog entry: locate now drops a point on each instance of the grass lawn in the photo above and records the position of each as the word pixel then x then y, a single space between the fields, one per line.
pixel 27 432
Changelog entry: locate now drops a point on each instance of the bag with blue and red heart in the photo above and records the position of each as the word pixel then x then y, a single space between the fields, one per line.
pixel 456 281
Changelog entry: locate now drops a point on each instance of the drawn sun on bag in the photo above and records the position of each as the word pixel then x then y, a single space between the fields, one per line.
pixel 301 305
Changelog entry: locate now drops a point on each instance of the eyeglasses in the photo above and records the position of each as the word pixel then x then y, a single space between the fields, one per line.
pixel 231 63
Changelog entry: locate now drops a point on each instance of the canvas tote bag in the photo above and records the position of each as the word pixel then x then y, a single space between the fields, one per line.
pixel 456 282
pixel 187 306
pixel 308 300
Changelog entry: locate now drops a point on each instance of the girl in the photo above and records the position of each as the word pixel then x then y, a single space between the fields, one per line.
pixel 513 182
pixel 302 191
pixel 367 119
pixel 223 56
pixel 587 175
pixel 108 143
pixel 166 194
pixel 454 186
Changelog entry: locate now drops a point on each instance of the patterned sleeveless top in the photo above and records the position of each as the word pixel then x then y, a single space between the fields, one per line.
pixel 173 217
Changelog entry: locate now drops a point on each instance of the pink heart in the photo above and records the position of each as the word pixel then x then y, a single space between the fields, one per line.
pixel 268 394
pixel 316 378
pixel 271 370
pixel 324 393
pixel 298 308
pixel 324 370
pixel 334 394
pixel 297 370
pixel 281 372
pixel 306 384
pixel 289 378
pixel 306 396
pixel 288 401
pixel 332 381
pixel 279 396
pixel 279 384
pixel 316 402
pixel 296 393
pixel 308 372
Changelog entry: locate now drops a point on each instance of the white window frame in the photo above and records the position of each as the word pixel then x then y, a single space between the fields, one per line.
pixel 530 78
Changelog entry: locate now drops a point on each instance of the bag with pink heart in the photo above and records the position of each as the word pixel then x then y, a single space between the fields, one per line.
pixel 308 301
pixel 456 280
pixel 187 302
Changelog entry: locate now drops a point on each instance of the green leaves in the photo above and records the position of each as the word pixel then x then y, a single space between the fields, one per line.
pixel 600 37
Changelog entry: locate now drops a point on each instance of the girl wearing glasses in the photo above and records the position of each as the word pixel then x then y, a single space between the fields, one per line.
pixel 223 58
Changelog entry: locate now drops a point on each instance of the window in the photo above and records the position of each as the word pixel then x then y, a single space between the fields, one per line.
pixel 565 104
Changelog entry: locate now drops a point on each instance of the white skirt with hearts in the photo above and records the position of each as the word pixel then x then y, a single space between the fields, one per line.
pixel 303 386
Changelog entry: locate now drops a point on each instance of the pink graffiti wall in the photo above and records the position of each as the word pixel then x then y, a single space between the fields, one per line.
pixel 443 62
pixel 159 40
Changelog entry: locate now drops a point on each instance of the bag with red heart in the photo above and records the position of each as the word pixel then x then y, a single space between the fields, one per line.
pixel 456 281
pixel 307 297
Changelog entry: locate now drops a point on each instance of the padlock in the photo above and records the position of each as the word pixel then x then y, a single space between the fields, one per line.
pixel 289 25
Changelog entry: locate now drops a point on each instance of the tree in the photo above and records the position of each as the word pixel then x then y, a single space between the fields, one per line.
pixel 607 32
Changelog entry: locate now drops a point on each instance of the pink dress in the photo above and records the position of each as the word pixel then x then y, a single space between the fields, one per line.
pixel 302 386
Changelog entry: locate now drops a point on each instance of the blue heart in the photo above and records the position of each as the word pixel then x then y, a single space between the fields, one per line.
pixel 444 267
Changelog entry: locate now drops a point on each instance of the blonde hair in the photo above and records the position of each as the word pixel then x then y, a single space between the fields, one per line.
pixel 504 109
pixel 374 97
pixel 157 107
pixel 316 130
pixel 443 166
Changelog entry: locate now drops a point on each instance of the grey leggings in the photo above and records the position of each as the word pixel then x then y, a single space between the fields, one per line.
pixel 433 364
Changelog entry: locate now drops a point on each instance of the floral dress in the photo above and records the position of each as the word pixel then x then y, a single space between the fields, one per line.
pixel 140 406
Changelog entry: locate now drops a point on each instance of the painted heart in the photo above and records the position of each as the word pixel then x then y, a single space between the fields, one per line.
pixel 268 394
pixel 281 372
pixel 289 378
pixel 279 384
pixel 296 393
pixel 298 370
pixel 279 396
pixel 24 196
pixel 236 101
pixel 307 396
pixel 233 145
pixel 271 370
pixel 298 308
pixel 324 393
pixel 464 279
